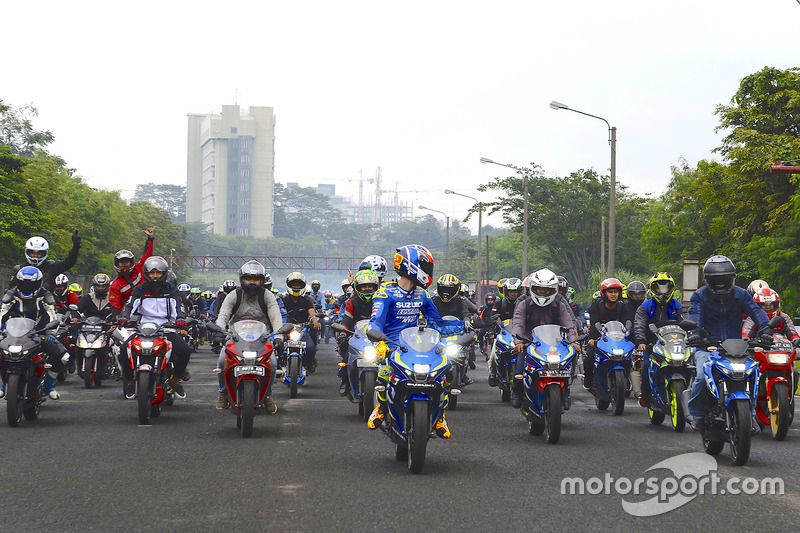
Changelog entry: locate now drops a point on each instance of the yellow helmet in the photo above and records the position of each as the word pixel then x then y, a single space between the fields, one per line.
pixel 447 287
pixel 661 287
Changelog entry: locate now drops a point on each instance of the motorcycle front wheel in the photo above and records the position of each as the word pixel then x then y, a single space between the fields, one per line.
pixel 779 410
pixel 247 398
pixel 552 413
pixel 14 403
pixel 294 376
pixel 418 439
pixel 88 371
pixel 618 392
pixel 740 431
pixel 675 390
pixel 143 398
pixel 368 393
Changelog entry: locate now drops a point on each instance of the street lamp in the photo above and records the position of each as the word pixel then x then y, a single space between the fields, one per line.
pixel 612 210
pixel 172 251
pixel 524 214
pixel 447 238
pixel 479 290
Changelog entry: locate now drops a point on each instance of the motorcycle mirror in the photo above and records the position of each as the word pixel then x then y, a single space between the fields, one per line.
pixel 628 325
pixel 688 325
pixel 599 326
pixel 652 327
pixel 465 339
pixel 213 326
pixel 73 307
pixel 338 327
pixel 775 322
pixel 52 324
pixel 376 336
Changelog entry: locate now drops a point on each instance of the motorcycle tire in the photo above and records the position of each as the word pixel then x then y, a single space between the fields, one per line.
pixel 88 371
pixel 505 395
pixel 418 438
pixel 741 424
pixel 143 398
pixel 401 451
pixel 294 376
pixel 368 394
pixel 551 407
pixel 779 410
pixel 14 402
pixel 618 392
pixel 247 400
pixel 674 391
pixel 602 405
pixel 656 417
pixel 535 428
pixel 712 447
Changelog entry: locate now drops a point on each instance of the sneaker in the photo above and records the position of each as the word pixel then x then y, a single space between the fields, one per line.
pixel 442 431
pixel 50 387
pixel 130 390
pixel 516 393
pixel 222 401
pixel 202 342
pixel 493 380
pixel 186 375
pixel 467 381
pixel 177 388
pixel 376 418
pixel 269 405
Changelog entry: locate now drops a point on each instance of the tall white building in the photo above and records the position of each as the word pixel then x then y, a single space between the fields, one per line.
pixel 230 170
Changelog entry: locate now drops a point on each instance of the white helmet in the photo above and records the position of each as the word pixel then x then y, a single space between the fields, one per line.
pixel 61 279
pixel 544 287
pixel 36 244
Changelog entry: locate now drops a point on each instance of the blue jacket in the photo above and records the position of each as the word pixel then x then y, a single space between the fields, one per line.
pixel 394 309
pixel 723 319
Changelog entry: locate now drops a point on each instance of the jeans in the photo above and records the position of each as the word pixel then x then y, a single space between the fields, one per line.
pixel 311 351
pixel 699 398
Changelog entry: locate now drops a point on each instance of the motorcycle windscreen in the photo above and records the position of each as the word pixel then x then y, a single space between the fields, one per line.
pixel 361 327
pixel 249 330
pixel 549 334
pixel 615 330
pixel 420 341
pixel 18 327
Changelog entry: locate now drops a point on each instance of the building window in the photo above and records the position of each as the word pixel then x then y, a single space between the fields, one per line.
pixel 244 201
pixel 245 159
pixel 234 130
pixel 243 231
pixel 242 216
pixel 245 172
pixel 244 187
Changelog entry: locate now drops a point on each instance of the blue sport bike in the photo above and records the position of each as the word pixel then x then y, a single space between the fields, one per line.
pixel 613 362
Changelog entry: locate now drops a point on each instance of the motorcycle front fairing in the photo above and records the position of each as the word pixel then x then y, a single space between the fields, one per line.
pixel 613 352
pixel 548 360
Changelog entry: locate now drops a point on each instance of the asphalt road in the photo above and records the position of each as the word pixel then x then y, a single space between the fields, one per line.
pixel 86 465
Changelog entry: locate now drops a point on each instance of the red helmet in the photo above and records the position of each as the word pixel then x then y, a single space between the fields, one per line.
pixel 769 301
pixel 610 283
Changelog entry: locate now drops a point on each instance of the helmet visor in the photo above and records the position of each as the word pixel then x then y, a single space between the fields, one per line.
pixel 720 284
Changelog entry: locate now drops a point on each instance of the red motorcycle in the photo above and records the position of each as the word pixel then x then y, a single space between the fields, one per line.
pixel 149 353
pixel 775 398
pixel 249 368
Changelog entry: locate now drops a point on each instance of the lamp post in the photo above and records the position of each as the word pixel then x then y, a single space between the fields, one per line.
pixel 524 214
pixel 172 251
pixel 447 238
pixel 612 210
pixel 479 289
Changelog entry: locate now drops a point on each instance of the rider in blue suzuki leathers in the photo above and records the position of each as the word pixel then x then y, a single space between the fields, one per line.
pixel 397 307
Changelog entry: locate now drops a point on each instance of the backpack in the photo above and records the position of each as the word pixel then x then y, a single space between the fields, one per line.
pixel 261 302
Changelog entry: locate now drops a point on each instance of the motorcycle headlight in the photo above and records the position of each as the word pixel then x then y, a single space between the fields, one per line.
pixel 295 335
pixel 250 357
pixel 98 343
pixel 421 369
pixel 778 358
pixel 553 358
pixel 451 349
pixel 147 346
pixel 16 348
pixel 677 356
pixel 738 367
pixel 369 353
pixel 82 343
pixel 618 351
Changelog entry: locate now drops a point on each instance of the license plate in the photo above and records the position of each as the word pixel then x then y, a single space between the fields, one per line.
pixel 257 370
pixel 296 344
pixel 555 373
pixel 363 362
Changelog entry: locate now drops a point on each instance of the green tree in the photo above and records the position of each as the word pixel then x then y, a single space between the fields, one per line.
pixel 20 217
pixel 170 198
pixel 17 131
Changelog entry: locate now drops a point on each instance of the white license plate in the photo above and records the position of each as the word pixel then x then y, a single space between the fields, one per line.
pixel 555 373
pixel 363 362
pixel 242 370
pixel 296 344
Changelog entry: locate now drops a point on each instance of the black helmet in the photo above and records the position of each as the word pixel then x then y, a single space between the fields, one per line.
pixel 228 285
pixel 252 269
pixel 268 281
pixel 563 285
pixel 719 275
pixel 158 264
pixel 171 279
pixel 636 291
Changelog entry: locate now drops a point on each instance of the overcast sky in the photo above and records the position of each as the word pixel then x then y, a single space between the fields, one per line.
pixel 422 89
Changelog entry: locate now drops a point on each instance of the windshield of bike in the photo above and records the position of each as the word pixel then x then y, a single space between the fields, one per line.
pixel 615 331
pixel 420 341
pixel 249 330
pixel 18 327
pixel 549 334
pixel 361 327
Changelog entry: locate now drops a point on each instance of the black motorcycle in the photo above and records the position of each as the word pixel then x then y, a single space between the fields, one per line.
pixel 92 351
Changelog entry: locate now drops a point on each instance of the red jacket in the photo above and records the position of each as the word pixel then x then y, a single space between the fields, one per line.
pixel 122 286
pixel 70 298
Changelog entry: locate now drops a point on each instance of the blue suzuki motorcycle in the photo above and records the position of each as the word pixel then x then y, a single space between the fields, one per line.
pixel 613 362
pixel 506 359
pixel 362 368
pixel 549 363
pixel 291 359
pixel 416 389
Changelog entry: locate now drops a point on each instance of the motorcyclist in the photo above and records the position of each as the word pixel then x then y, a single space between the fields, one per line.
pixel 756 285
pixel 503 310
pixel 769 300
pixel 472 308
pixel 96 302
pixel 660 307
pixel 347 293
pixel 63 297
pixel 397 307
pixel 541 308
pixel 450 301
pixel 316 293
pixel 607 308
pixel 154 301
pixel 357 308
pixel 36 252
pixel 129 275
pixel 377 264
pixel 77 288
pixel 29 299
pixel 484 312
pixel 637 293
pixel 563 295
pixel 300 309
pixel 718 308
pixel 252 301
